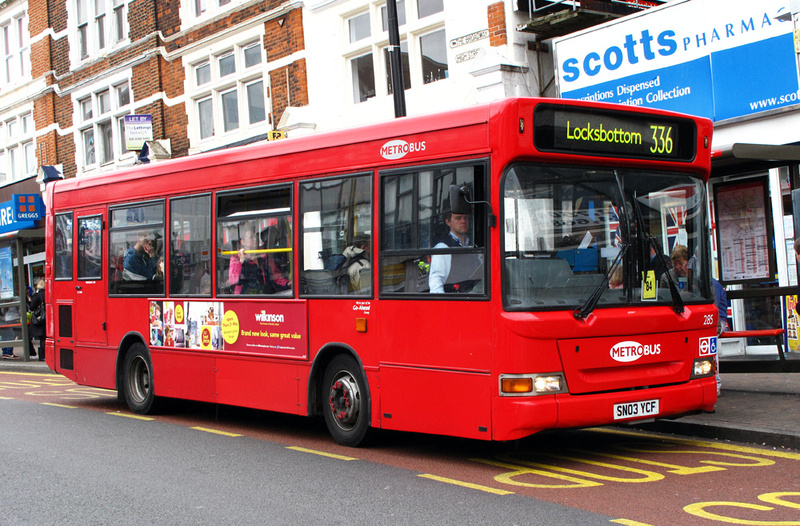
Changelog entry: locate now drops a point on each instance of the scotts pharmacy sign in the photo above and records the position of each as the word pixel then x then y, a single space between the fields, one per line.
pixel 703 57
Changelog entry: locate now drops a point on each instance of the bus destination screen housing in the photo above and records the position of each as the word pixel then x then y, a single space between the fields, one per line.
pixel 610 133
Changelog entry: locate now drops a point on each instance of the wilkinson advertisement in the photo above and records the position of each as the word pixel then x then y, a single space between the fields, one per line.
pixel 274 328
pixel 703 57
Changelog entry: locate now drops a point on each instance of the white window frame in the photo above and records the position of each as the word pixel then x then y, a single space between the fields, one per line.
pixel 97 30
pixel 15 49
pixel 411 31
pixel 219 86
pixel 17 146
pixel 93 120
pixel 195 12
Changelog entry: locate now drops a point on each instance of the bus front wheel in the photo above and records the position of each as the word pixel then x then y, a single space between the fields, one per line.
pixel 345 402
pixel 137 380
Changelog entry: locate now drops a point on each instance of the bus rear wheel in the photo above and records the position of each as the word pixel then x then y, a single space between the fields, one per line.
pixel 345 402
pixel 137 380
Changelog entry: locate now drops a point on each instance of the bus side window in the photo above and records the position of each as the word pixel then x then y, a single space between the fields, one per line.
pixel 136 249
pixel 190 246
pixel 254 242
pixel 425 248
pixel 336 227
pixel 63 246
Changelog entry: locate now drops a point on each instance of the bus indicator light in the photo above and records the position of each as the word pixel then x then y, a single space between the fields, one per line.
pixel 517 385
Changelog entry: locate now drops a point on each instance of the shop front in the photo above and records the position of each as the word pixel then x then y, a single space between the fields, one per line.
pixel 21 263
pixel 733 61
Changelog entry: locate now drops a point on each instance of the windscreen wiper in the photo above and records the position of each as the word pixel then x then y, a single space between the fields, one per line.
pixel 677 301
pixel 591 302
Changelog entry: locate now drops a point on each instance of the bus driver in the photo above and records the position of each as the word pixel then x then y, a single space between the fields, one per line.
pixel 454 272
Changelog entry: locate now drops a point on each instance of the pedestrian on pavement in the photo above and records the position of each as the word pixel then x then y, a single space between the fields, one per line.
pixel 721 299
pixel 37 329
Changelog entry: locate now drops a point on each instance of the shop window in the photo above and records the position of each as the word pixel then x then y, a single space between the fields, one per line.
pixel 136 249
pixel 254 244
pixel 336 217
pixel 190 246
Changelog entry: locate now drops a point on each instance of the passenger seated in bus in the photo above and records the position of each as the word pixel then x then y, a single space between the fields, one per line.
pixel 615 281
pixel 679 271
pixel 357 260
pixel 454 272
pixel 141 262
pixel 251 273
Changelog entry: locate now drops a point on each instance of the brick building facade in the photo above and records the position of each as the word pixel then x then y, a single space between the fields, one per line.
pixel 183 65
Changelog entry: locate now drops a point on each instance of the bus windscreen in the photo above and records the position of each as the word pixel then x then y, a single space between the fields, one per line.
pixel 612 133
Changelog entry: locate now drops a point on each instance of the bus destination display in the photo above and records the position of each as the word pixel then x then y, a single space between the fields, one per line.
pixel 612 133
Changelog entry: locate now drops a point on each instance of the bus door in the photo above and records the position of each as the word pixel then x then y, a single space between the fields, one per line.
pixel 90 284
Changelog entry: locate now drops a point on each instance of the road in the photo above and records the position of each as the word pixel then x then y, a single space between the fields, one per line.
pixel 73 455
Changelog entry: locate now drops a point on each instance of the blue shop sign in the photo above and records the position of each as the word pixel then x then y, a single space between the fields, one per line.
pixel 721 59
pixel 27 207
pixel 8 221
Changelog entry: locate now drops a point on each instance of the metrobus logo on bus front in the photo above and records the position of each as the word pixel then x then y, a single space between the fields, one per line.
pixel 399 148
pixel 631 351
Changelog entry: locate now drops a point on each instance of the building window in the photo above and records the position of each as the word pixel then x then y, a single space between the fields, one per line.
pixel 433 54
pixel 429 7
pixel 403 61
pixel 363 77
pixel 205 112
pixel 195 12
pixel 230 110
pixel 15 50
pixel 423 48
pixel 256 110
pixel 18 150
pixel 401 15
pixel 230 97
pixel 358 27
pixel 99 25
pixel 102 125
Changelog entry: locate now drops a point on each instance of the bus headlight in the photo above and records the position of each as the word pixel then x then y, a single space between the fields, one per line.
pixel 531 384
pixel 704 367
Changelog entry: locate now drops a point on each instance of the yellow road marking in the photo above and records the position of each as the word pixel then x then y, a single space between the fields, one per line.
pixel 216 431
pixel 34 374
pixel 135 417
pixel 5 398
pixel 703 443
pixel 320 453
pixel 463 484
pixel 59 405
pixel 627 522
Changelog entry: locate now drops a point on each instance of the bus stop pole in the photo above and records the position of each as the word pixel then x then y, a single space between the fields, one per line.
pixel 395 57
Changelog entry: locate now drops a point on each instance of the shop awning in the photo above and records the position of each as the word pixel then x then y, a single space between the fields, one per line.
pixel 741 158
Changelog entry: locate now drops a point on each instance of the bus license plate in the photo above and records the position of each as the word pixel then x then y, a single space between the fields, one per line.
pixel 635 409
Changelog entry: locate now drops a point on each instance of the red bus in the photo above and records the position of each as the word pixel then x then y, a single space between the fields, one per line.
pixel 482 273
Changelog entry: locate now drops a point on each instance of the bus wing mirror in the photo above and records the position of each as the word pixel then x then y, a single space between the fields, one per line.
pixel 461 203
pixel 459 199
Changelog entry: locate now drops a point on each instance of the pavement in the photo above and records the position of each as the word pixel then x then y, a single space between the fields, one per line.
pixel 756 408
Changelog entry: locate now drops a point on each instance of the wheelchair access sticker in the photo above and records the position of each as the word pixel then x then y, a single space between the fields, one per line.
pixel 708 346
